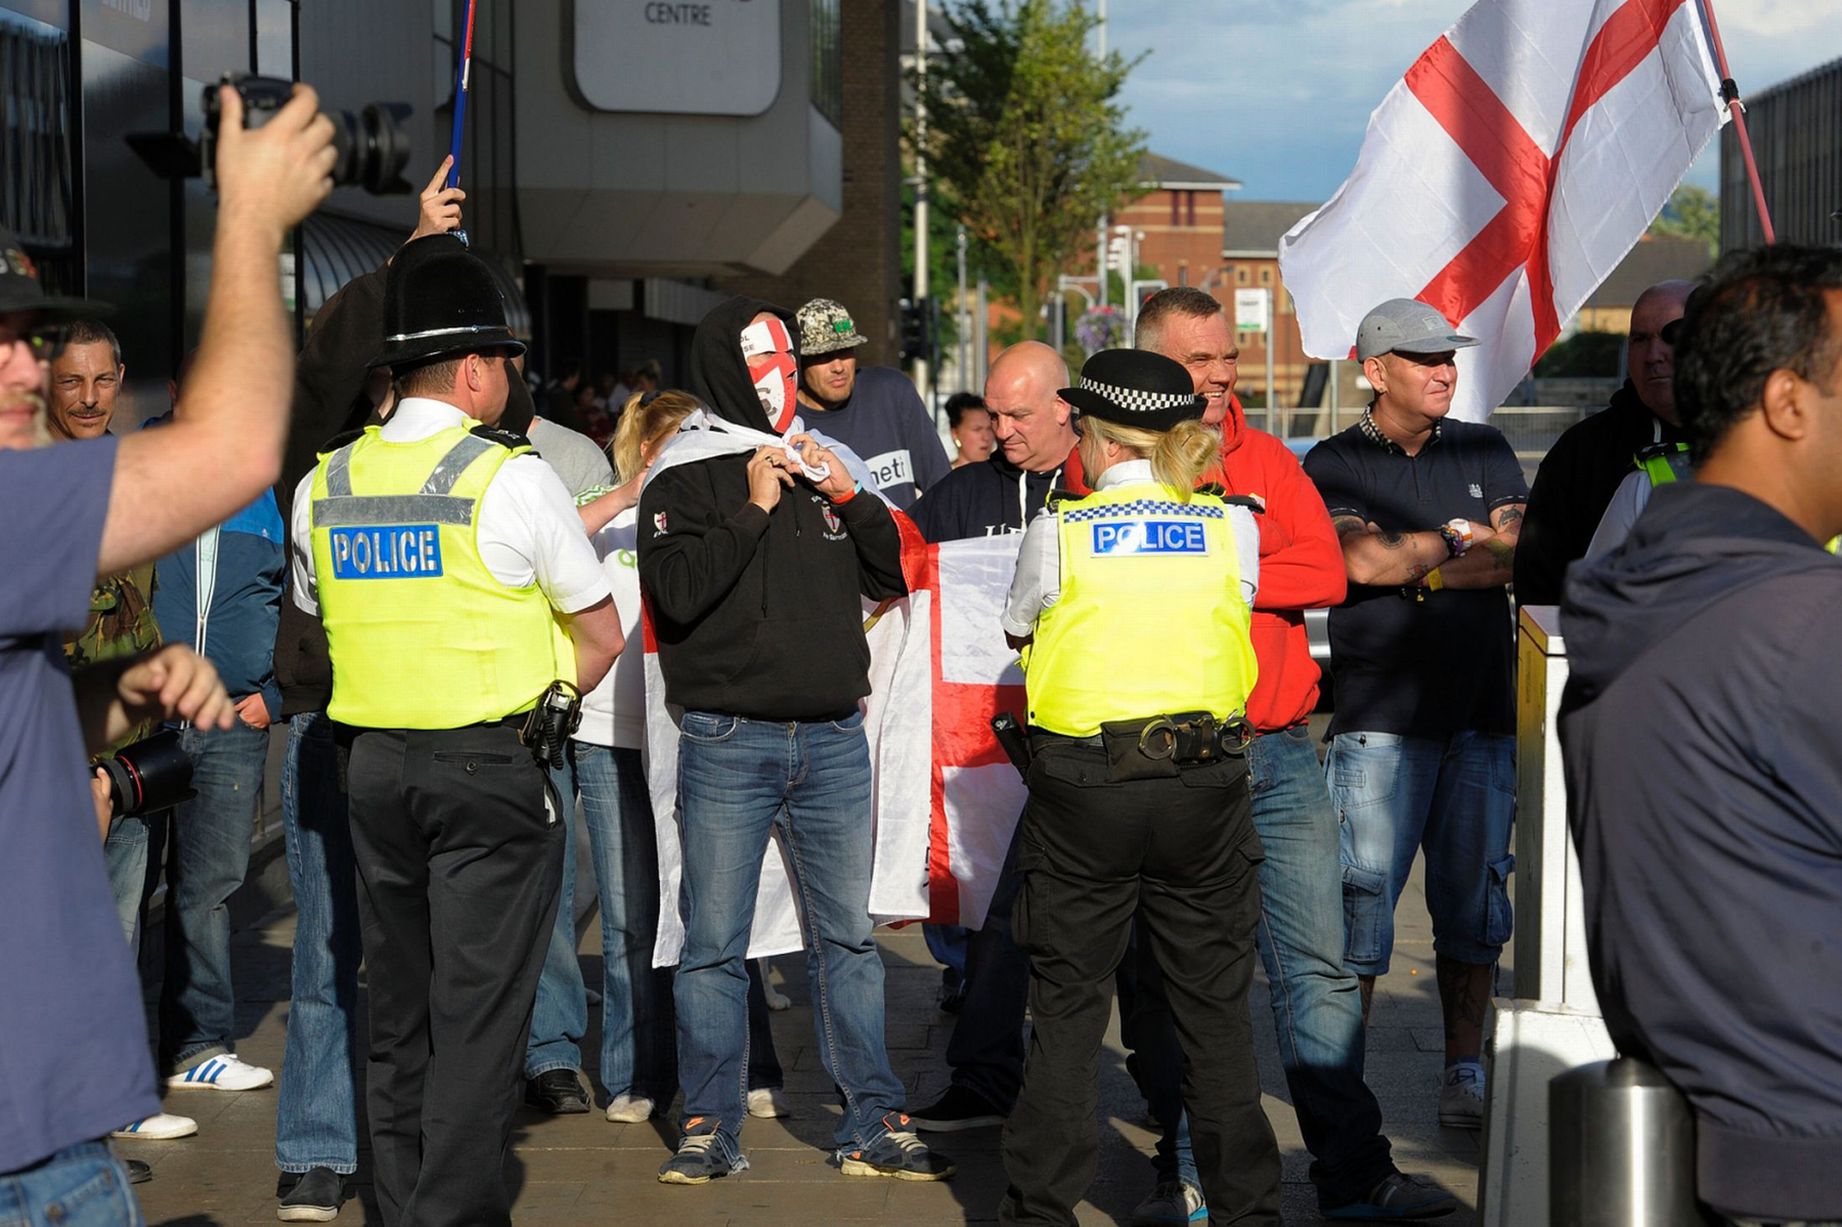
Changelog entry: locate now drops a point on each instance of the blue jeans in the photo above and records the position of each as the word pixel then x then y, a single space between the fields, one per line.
pixel 637 1056
pixel 316 1116
pixel 1453 796
pixel 80 1186
pixel 126 853
pixel 211 836
pixel 947 943
pixel 739 783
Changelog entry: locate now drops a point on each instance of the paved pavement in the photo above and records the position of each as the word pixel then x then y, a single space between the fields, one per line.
pixel 581 1169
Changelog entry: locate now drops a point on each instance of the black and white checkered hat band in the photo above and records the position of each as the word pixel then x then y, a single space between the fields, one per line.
pixel 1136 401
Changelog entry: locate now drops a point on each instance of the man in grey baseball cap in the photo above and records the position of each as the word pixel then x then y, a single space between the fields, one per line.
pixel 1428 511
pixel 1407 326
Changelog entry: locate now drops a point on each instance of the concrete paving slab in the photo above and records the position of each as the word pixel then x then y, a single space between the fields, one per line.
pixel 584 1170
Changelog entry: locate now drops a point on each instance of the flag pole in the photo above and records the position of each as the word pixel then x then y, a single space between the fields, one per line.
pixel 463 82
pixel 1730 94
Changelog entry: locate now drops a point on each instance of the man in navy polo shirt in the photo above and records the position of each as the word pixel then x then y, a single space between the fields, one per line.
pixel 1423 740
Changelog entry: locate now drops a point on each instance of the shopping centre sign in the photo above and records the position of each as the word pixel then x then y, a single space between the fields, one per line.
pixel 678 57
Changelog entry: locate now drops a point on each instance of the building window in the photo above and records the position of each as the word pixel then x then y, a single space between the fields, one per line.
pixel 37 180
pixel 828 61
pixel 1175 211
pixel 1240 276
pixel 1266 276
pixel 1189 205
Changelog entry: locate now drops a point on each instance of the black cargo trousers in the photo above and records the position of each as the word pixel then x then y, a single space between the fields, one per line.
pixel 1180 853
pixel 460 863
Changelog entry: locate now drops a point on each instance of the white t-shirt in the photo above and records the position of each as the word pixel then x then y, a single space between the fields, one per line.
pixel 614 713
pixel 1037 583
pixel 528 530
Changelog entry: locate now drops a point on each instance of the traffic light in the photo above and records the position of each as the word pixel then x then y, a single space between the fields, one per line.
pixel 917 329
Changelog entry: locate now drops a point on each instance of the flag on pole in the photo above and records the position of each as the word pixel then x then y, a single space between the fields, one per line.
pixel 1504 178
pixel 944 799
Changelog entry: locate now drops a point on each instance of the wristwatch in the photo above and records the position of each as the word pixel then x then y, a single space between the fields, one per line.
pixel 1457 534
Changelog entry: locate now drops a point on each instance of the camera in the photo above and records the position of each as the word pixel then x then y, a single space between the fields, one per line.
pixel 152 774
pixel 372 146
pixel 373 149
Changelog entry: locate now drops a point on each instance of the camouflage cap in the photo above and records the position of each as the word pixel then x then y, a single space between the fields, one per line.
pixel 825 326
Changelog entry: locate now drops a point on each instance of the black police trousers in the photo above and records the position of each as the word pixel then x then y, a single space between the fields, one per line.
pixel 460 861
pixel 1181 854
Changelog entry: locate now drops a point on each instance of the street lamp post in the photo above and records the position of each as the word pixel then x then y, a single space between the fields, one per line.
pixel 921 287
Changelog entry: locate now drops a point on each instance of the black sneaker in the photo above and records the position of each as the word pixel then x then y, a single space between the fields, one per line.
pixel 1395 1197
pixel 704 1154
pixel 139 1171
pixel 558 1092
pixel 897 1154
pixel 957 1109
pixel 315 1197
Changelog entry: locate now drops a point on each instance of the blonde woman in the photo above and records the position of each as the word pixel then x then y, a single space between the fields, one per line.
pixel 1133 605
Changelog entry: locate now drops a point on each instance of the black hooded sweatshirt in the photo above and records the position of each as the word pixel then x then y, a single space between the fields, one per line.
pixel 759 614
pixel 986 499
pixel 1701 730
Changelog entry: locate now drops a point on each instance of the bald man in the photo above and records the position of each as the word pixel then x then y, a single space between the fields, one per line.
pixel 1035 436
pixel 1583 469
pixel 987 499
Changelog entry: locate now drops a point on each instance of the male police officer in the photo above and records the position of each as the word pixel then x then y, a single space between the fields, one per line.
pixel 459 593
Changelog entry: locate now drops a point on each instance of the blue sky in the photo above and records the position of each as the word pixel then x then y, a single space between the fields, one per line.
pixel 1276 93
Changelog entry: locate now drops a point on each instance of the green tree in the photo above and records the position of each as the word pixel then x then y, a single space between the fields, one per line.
pixel 1026 141
pixel 1692 213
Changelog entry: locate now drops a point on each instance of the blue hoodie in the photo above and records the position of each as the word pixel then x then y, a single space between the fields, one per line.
pixel 238 630
pixel 1701 730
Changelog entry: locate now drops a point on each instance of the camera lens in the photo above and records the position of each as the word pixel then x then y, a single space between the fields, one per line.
pixel 371 148
pixel 152 774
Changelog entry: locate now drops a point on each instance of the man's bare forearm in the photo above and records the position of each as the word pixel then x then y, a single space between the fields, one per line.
pixel 1383 558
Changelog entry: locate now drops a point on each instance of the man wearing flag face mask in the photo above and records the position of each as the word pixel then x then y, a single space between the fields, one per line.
pixel 754 565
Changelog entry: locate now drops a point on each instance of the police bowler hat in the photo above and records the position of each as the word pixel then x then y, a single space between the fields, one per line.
pixel 1135 387
pixel 441 301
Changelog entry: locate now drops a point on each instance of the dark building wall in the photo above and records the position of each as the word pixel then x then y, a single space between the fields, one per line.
pixel 1796 133
pixel 858 261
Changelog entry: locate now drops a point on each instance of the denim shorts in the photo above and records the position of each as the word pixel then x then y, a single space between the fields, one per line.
pixel 1454 797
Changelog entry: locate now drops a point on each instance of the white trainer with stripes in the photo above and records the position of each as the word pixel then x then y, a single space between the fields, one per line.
pixel 221 1073
pixel 160 1127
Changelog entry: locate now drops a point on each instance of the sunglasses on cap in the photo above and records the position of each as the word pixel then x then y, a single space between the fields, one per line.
pixel 46 340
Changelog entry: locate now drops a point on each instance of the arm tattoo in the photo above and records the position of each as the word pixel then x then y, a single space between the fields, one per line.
pixel 1508 517
pixel 1348 526
pixel 1391 539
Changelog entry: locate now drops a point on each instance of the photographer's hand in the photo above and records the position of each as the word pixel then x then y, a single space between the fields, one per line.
pixel 104 801
pixel 277 174
pixel 174 683
pixel 440 206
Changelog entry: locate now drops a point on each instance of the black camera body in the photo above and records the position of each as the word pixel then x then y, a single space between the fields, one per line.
pixel 154 773
pixel 373 149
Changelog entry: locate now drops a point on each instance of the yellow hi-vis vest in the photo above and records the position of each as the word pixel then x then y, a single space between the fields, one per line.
pixel 422 636
pixel 1151 619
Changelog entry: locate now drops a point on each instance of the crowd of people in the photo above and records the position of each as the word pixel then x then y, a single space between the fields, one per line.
pixel 434 577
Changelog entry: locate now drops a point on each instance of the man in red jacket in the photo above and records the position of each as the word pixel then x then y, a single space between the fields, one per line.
pixel 1317 1010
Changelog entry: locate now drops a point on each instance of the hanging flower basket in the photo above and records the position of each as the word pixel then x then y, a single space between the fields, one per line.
pixel 1101 328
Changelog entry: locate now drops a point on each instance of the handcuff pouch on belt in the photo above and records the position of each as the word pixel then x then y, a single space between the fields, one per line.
pixel 1160 747
pixel 548 727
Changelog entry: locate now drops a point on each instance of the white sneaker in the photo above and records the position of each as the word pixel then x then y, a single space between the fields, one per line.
pixel 221 1073
pixel 160 1127
pixel 630 1109
pixel 768 1101
pixel 1461 1096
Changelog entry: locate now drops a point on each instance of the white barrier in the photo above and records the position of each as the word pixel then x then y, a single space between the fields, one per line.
pixel 1552 1024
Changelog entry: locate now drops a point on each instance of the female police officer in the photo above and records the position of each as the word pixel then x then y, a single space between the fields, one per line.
pixel 1133 603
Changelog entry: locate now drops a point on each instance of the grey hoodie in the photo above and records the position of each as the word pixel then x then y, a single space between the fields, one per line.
pixel 1701 730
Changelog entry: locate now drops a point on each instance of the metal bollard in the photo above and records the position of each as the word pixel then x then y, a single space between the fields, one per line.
pixel 1621 1148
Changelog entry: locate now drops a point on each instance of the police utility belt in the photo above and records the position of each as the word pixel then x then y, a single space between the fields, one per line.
pixel 1159 747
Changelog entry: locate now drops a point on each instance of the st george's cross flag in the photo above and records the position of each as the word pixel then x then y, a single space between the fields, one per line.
pixel 944 800
pixel 1504 178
